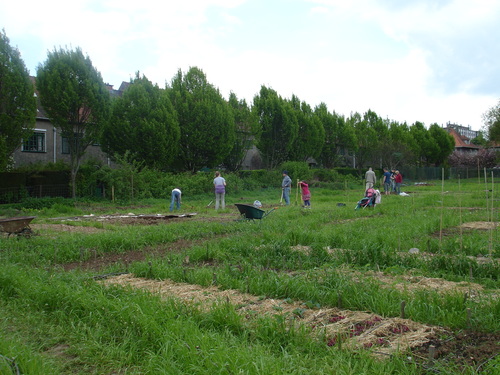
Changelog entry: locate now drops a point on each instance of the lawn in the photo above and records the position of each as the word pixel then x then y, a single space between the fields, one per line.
pixel 410 286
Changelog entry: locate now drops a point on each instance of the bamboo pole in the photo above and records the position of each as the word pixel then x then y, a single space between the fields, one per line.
pixel 297 193
pixel 478 173
pixel 460 210
pixel 486 192
pixel 442 209
pixel 492 222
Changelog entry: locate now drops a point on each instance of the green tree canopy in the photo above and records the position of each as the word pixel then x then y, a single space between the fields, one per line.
pixel 143 122
pixel 445 144
pixel 340 138
pixel 76 100
pixel 398 150
pixel 311 134
pixel 366 137
pixel 246 132
pixel 279 126
pixel 205 118
pixel 425 147
pixel 492 123
pixel 17 100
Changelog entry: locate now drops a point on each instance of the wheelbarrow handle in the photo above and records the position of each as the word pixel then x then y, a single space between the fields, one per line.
pixel 268 212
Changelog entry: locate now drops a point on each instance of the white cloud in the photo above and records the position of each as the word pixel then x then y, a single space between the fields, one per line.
pixel 432 61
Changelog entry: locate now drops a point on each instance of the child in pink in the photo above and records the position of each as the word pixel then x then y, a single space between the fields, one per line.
pixel 306 194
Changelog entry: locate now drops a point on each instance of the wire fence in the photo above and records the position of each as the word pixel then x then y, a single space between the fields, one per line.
pixel 436 173
pixel 16 194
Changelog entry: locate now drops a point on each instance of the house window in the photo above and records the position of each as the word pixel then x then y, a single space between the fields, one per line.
pixel 65 143
pixel 35 143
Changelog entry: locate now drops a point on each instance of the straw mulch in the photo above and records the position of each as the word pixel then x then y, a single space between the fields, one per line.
pixel 354 329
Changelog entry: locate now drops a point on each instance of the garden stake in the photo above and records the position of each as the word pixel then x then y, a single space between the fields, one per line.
pixel 432 353
pixel 469 315
pixel 339 301
pixel 486 191
pixel 492 213
pixel 214 280
pixel 248 284
pixel 460 210
pixel 297 193
pixel 442 209
pixel 184 274
pixel 403 304
pixel 478 173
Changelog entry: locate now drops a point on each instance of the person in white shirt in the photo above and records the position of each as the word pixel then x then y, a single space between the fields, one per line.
pixel 176 199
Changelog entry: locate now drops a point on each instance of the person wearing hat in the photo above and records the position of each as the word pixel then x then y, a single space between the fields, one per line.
pixel 286 186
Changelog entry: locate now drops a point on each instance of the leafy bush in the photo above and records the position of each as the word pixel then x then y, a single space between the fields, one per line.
pixel 298 170
pixel 38 203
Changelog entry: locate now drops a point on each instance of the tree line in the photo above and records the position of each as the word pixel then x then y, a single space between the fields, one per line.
pixel 188 125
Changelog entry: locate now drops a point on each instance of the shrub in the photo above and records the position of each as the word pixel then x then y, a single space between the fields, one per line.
pixel 297 170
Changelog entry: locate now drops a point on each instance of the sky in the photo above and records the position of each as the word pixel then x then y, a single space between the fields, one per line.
pixel 433 61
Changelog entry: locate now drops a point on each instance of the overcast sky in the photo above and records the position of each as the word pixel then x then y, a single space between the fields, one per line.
pixel 434 61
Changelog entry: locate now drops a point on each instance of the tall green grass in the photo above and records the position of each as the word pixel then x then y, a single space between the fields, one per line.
pixel 319 256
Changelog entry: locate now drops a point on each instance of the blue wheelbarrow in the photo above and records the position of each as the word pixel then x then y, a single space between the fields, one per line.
pixel 249 212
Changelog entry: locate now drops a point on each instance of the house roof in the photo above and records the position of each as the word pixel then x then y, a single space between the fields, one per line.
pixel 40 112
pixel 42 115
pixel 461 141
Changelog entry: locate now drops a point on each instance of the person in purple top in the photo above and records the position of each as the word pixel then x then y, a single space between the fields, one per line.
pixel 220 191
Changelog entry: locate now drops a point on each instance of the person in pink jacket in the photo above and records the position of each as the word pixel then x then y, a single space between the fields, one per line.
pixel 398 179
pixel 306 194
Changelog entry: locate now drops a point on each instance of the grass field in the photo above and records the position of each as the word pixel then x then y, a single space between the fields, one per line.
pixel 121 288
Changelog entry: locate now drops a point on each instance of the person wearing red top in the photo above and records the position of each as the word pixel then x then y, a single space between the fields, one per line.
pixel 398 179
pixel 306 194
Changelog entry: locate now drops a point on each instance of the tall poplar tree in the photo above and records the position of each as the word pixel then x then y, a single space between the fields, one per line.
pixel 143 124
pixel 76 100
pixel 340 138
pixel 425 146
pixel 17 100
pixel 445 143
pixel 206 121
pixel 279 127
pixel 491 120
pixel 311 133
pixel 246 132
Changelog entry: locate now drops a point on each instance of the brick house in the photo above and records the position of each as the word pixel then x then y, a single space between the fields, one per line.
pixel 47 145
pixel 463 136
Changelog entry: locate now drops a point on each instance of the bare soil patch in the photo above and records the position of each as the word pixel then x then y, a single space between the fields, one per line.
pixel 65 228
pixel 147 219
pixel 99 262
